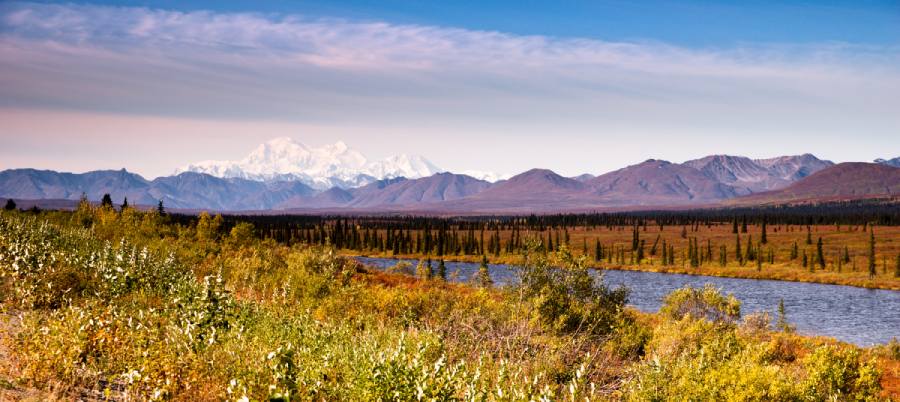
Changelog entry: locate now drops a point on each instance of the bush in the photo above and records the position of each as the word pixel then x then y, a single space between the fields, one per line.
pixel 706 303
pixel 567 298
pixel 836 373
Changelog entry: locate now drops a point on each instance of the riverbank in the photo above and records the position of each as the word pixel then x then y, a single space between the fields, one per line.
pixel 778 272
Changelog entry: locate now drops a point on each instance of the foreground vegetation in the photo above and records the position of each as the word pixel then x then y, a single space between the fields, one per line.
pixel 124 304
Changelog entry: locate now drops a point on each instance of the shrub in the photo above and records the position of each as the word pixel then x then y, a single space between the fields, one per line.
pixel 567 298
pixel 706 303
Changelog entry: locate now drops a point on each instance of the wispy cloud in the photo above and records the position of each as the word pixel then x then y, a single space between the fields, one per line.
pixel 291 68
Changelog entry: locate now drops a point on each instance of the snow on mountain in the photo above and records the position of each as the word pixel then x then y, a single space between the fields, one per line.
pixel 895 162
pixel 335 165
pixel 486 176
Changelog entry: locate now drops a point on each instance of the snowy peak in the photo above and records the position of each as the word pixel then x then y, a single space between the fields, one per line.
pixel 333 165
pixel 895 162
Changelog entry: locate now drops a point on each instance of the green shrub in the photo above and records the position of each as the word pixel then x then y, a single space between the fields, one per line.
pixel 706 303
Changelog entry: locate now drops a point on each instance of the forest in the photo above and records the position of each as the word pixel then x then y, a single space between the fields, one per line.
pixel 849 243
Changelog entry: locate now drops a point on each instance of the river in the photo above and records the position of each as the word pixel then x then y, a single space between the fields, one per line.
pixel 851 314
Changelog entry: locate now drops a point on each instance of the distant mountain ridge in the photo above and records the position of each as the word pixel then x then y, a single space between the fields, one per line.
pixel 849 180
pixel 703 181
pixel 895 162
pixel 335 165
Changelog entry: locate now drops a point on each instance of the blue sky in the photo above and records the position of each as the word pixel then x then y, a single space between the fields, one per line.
pixel 689 23
pixel 572 86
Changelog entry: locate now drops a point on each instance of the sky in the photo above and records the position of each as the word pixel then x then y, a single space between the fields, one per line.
pixel 502 86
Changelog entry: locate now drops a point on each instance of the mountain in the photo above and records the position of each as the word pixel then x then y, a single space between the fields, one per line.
pixel 536 190
pixel 186 190
pixel 889 162
pixel 48 184
pixel 657 182
pixel 434 189
pixel 751 176
pixel 490 177
pixel 850 180
pixel 335 165
pixel 795 167
pixel 268 179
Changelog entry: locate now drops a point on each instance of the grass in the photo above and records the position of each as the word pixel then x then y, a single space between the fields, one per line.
pixel 128 305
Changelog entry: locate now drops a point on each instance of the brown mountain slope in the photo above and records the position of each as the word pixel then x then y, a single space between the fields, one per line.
pixel 851 180
pixel 436 188
pixel 657 182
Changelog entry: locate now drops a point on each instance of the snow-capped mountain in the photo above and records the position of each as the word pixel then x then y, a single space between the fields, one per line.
pixel 335 165
pixel 486 176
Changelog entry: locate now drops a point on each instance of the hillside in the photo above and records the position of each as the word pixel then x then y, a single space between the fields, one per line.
pixel 851 180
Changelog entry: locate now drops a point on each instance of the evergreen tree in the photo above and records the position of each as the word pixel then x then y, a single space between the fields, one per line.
pixel 805 259
pixel 159 208
pixel 808 235
pixel 10 205
pixel 635 238
pixel 744 225
pixel 734 226
pixel 763 239
pixel 872 253
pixel 106 201
pixel 738 254
pixel 598 251
pixel 442 270
pixel 897 267
pixel 820 256
pixel 665 254
pixel 782 317
pixel 125 203
pixel 640 252
pixel 483 279
pixel 795 251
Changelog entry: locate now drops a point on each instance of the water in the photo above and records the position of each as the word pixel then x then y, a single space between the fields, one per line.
pixel 856 315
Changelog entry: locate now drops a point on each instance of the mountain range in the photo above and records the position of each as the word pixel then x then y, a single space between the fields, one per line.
pixel 335 165
pixel 286 176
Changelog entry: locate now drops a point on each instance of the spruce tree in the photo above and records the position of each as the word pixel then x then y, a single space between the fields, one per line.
pixel 159 208
pixel 820 256
pixel 738 254
pixel 782 317
pixel 10 205
pixel 442 270
pixel 106 201
pixel 897 267
pixel 484 275
pixel 795 251
pixel 125 203
pixel 598 251
pixel 872 253
pixel 763 239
